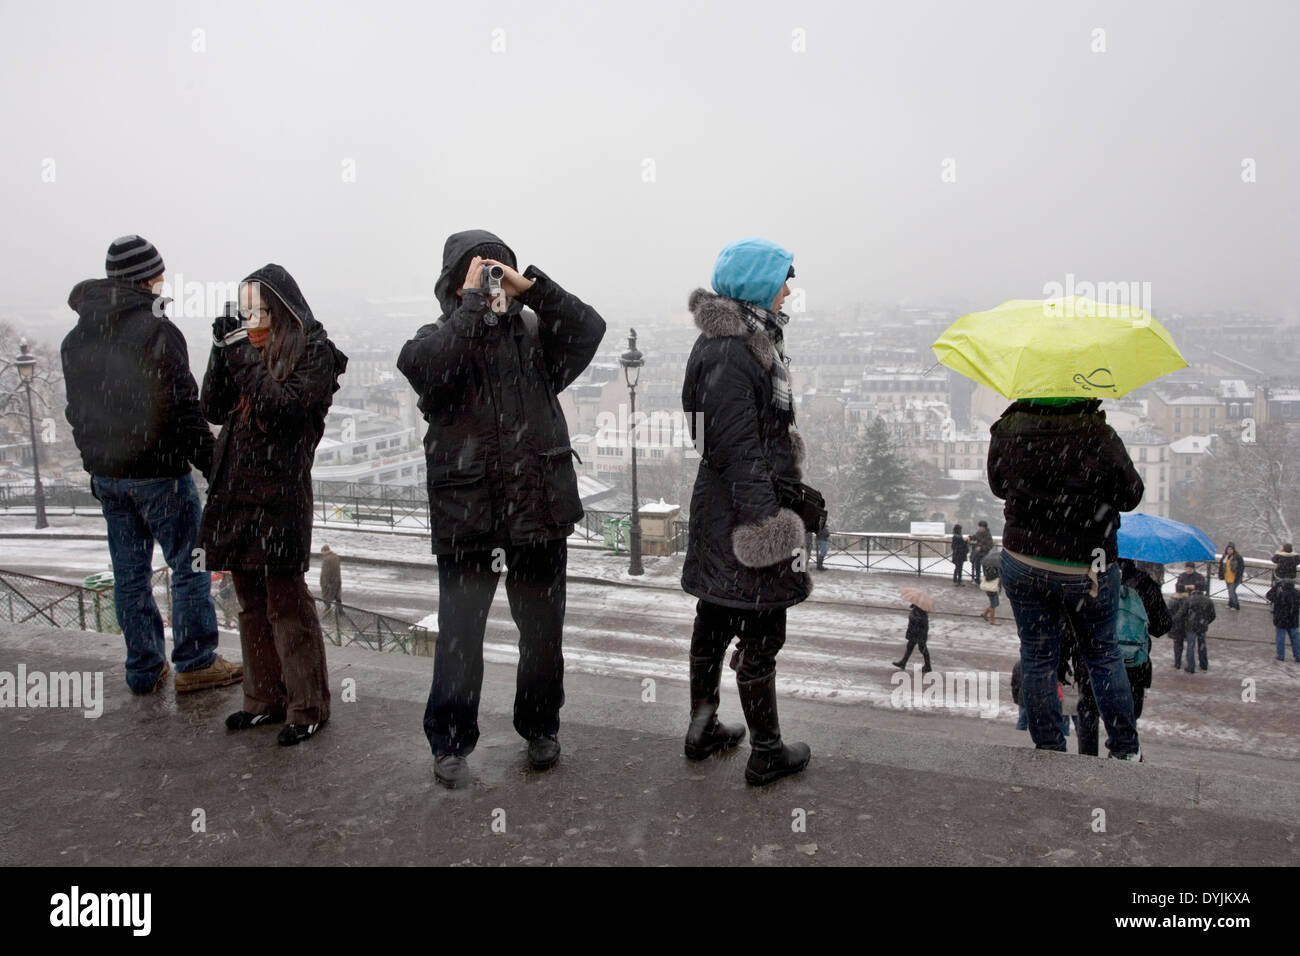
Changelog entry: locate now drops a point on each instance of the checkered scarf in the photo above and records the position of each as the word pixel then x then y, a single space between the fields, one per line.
pixel 765 320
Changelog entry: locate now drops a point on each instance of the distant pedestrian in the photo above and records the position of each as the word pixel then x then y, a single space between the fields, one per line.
pixel 1200 614
pixel 981 544
pixel 134 409
pixel 331 576
pixel 1191 580
pixel 991 585
pixel 1231 569
pixel 1286 616
pixel 959 551
pixel 918 632
pixel 1285 561
pixel 1065 477
pixel 1178 627
pixel 823 545
pixel 225 599
pixel 270 381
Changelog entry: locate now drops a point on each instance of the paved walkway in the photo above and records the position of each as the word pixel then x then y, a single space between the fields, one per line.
pixel 129 787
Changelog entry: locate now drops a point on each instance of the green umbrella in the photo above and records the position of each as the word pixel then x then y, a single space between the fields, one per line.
pixel 1059 348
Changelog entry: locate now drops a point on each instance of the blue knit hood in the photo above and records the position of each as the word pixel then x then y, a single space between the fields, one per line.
pixel 752 270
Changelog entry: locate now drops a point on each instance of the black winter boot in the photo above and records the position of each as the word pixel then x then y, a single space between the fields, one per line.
pixel 770 759
pixel 706 734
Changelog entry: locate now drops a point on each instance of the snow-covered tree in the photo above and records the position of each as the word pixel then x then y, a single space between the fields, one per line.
pixel 880 484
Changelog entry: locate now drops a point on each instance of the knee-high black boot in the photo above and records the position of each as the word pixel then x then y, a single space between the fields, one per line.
pixel 707 734
pixel 770 758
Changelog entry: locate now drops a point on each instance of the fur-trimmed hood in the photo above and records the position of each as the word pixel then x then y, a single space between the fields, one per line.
pixel 717 316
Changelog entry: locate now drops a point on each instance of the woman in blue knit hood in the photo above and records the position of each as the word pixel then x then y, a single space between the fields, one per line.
pixel 741 558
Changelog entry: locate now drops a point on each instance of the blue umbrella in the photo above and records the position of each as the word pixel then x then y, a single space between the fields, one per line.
pixel 1162 540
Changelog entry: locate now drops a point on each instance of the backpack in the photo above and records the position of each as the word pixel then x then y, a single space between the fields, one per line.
pixel 1131 628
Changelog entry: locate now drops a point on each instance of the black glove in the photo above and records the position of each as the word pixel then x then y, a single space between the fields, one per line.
pixel 223 326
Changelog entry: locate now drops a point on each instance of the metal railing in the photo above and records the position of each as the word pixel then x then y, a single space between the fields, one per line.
pixel 407 505
pixel 25 599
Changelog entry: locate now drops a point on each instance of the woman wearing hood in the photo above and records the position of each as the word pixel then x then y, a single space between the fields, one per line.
pixel 741 560
pixel 1065 477
pixel 269 383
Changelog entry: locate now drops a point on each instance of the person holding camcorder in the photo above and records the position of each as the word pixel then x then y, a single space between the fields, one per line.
pixel 503 493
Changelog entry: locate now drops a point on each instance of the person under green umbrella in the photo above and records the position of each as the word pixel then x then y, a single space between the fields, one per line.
pixel 1065 477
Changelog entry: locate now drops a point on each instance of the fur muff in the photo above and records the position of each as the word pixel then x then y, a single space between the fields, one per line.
pixel 769 542
pixel 799 450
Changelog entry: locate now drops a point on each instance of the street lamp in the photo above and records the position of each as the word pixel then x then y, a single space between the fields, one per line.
pixel 632 360
pixel 26 363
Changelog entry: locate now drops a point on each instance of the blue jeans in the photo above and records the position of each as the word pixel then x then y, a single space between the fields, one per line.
pixel 1282 634
pixel 140 511
pixel 1043 603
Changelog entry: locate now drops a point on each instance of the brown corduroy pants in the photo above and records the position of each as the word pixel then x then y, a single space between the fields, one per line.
pixel 284 648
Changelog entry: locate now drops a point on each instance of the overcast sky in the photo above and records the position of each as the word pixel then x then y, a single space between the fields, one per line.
pixel 1122 165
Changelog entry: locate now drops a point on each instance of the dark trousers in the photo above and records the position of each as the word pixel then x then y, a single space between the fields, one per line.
pixel 1086 716
pixel 957 571
pixel 284 649
pixel 976 566
pixel 925 652
pixel 535 587
pixel 1196 642
pixel 761 636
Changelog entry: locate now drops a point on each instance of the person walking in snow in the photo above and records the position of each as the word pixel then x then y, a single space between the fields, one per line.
pixel 503 493
pixel 745 560
pixel 271 378
pixel 331 576
pixel 918 633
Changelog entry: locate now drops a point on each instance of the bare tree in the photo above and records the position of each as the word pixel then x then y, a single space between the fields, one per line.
pixel 1250 491
pixel 47 384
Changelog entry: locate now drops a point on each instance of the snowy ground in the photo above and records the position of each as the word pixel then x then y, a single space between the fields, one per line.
pixel 839 646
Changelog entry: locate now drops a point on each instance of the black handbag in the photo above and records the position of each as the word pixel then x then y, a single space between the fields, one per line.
pixel 804 501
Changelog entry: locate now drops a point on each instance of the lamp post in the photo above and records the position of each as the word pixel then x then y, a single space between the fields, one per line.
pixel 26 363
pixel 632 360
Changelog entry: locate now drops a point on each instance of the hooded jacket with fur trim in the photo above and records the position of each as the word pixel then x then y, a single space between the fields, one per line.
pixel 742 542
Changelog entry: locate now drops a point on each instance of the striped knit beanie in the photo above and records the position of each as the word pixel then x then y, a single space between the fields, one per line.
pixel 133 259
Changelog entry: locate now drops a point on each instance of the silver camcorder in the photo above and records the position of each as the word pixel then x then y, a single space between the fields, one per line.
pixel 491 281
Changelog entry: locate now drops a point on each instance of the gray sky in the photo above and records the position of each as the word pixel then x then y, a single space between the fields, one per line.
pixel 1124 165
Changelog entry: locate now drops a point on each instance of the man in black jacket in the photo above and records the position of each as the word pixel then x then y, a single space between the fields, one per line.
pixel 503 493
pixel 134 409
pixel 1286 616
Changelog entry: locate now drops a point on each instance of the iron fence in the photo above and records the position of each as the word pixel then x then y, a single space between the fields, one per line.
pixel 25 599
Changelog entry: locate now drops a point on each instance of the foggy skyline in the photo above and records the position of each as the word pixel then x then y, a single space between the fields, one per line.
pixel 1115 166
